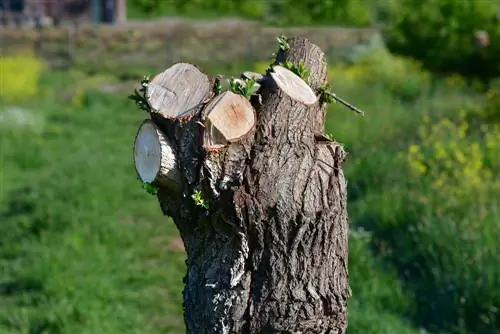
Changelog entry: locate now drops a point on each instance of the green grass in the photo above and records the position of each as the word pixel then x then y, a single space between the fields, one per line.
pixel 84 249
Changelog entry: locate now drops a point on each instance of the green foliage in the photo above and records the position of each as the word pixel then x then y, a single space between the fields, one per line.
pixel 243 8
pixel 437 223
pixel 325 95
pixel 329 136
pixel 276 12
pixel 425 181
pixel 148 7
pixel 245 87
pixel 197 197
pixel 403 77
pixel 283 43
pixel 451 214
pixel 196 8
pixel 366 320
pixel 139 97
pixel 311 12
pixel 455 165
pixel 379 303
pixel 489 111
pixel 441 34
pixel 217 87
pixel 150 188
pixel 299 69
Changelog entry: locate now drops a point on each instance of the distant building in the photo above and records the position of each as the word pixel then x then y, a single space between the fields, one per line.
pixel 48 12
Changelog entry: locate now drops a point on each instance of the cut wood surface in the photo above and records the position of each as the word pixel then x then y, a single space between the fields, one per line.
pixel 154 157
pixel 231 114
pixel 178 91
pixel 258 77
pixel 293 85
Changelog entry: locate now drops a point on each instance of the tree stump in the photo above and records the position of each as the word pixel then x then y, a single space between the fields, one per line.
pixel 257 192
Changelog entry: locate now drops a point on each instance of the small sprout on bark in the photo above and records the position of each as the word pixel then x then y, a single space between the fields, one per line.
pixel 326 96
pixel 150 188
pixel 245 87
pixel 145 81
pixel 139 96
pixel 217 85
pixel 198 199
pixel 283 45
pixel 329 136
pixel 299 69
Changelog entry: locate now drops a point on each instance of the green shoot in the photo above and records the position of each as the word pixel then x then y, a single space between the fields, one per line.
pixel 245 87
pixel 198 199
pixel 326 96
pixel 150 188
pixel 283 45
pixel 217 89
pixel 299 69
pixel 139 96
pixel 329 136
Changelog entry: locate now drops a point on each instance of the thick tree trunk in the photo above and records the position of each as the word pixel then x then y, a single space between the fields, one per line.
pixel 262 212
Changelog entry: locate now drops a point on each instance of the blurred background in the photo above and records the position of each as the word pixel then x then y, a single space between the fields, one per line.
pixel 84 249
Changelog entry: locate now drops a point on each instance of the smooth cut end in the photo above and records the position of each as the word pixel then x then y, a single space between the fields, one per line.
pixel 178 91
pixel 231 114
pixel 154 157
pixel 293 85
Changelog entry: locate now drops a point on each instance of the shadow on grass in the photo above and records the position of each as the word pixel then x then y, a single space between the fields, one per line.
pixel 15 287
pixel 25 215
pixel 28 293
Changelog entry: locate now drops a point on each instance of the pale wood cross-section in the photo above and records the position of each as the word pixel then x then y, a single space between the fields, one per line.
pixel 232 115
pixel 154 157
pixel 178 91
pixel 293 85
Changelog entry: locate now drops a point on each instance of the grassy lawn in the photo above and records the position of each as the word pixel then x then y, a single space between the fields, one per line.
pixel 83 249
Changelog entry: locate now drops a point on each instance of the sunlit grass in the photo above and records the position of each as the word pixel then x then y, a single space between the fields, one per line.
pixel 19 77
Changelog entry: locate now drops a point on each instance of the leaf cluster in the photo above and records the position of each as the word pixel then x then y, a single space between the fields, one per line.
pixel 198 199
pixel 245 87
pixel 300 69
pixel 139 96
pixel 150 188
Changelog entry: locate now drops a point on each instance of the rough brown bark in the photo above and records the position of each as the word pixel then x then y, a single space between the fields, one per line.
pixel 269 254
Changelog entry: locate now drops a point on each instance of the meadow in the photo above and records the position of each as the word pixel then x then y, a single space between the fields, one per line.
pixel 84 249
